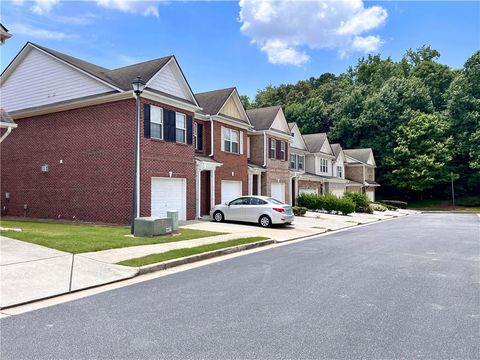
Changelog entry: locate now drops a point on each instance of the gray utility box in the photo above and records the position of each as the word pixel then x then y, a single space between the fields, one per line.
pixel 152 226
pixel 173 214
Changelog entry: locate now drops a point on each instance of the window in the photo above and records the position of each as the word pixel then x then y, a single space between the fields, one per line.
pixel 273 150
pixel 293 161
pixel 340 171
pixel 156 122
pixel 180 127
pixel 195 135
pixel 282 150
pixel 256 201
pixel 239 201
pixel 231 140
pixel 301 160
pixel 324 165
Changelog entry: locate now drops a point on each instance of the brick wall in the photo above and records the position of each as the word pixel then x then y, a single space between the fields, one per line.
pixel 277 172
pixel 354 173
pixel 90 156
pixel 159 158
pixel 256 149
pixel 89 152
pixel 235 166
pixel 312 185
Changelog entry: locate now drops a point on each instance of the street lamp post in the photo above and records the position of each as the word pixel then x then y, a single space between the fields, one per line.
pixel 138 86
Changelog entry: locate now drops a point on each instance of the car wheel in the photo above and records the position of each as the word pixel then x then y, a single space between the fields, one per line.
pixel 218 216
pixel 264 221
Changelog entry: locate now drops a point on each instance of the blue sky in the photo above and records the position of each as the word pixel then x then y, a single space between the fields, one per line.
pixel 268 43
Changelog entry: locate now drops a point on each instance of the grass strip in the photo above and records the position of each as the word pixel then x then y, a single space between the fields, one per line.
pixel 178 253
pixel 80 238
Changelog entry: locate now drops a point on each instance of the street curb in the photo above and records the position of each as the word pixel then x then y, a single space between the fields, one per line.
pixel 203 256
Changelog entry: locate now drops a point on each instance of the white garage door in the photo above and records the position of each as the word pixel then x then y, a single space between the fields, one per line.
pixel 169 194
pixel 278 191
pixel 371 195
pixel 231 190
pixel 307 191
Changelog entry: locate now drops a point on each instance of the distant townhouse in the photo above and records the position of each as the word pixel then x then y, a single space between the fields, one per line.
pixel 360 171
pixel 71 156
pixel 220 138
pixel 269 153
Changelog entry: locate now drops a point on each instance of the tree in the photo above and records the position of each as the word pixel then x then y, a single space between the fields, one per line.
pixel 422 153
pixel 245 102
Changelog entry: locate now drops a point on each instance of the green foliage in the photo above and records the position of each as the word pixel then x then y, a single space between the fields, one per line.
pixel 468 201
pixel 377 207
pixel 299 210
pixel 422 152
pixel 328 203
pixel 359 199
pixel 389 207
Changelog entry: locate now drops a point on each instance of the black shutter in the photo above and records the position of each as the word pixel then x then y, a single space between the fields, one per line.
pixel 200 136
pixel 189 130
pixel 270 148
pixel 169 125
pixel 278 148
pixel 286 151
pixel 146 120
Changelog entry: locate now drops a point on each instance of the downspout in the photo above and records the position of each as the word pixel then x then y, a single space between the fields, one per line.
pixel 9 130
pixel 211 135
pixel 264 148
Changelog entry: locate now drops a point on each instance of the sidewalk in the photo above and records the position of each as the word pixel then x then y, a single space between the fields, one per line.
pixel 30 272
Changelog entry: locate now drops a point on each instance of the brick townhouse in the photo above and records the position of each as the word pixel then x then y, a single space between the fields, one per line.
pixel 269 148
pixel 71 156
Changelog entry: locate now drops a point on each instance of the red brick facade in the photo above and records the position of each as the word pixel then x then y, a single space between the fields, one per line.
pixel 89 152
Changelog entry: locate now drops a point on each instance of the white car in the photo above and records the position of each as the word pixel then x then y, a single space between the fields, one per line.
pixel 263 210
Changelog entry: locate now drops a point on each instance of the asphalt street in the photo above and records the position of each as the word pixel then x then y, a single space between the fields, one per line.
pixel 406 288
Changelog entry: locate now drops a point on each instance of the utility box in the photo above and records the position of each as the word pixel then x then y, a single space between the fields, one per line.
pixel 173 214
pixel 152 226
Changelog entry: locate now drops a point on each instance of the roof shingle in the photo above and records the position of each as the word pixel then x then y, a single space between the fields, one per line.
pixel 262 118
pixel 361 155
pixel 314 142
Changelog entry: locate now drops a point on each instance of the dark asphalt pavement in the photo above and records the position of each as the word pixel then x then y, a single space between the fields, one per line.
pixel 407 288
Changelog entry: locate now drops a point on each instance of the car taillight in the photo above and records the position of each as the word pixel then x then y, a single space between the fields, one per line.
pixel 280 210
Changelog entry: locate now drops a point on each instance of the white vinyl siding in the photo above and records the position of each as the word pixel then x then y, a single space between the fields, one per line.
pixel 180 127
pixel 230 140
pixel 156 122
pixel 40 80
pixel 169 81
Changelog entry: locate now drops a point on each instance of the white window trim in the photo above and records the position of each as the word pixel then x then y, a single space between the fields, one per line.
pixel 283 149
pixel 273 146
pixel 298 162
pixel 230 133
pixel 155 122
pixel 184 128
pixel 195 135
pixel 293 158
pixel 323 166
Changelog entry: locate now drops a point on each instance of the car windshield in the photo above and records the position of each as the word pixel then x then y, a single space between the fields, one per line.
pixel 274 201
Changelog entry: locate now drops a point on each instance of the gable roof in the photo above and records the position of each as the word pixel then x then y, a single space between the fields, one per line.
pixel 336 148
pixel 262 118
pixel 212 101
pixel 315 142
pixel 120 78
pixel 291 125
pixel 361 155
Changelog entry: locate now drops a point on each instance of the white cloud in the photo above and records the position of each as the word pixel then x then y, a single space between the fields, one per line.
pixel 41 7
pixel 39 33
pixel 285 30
pixel 146 8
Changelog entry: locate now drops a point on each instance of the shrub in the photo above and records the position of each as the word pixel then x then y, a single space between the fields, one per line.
pixel 468 201
pixel 397 203
pixel 308 201
pixel 377 207
pixel 345 206
pixel 359 199
pixel 389 207
pixel 367 209
pixel 299 210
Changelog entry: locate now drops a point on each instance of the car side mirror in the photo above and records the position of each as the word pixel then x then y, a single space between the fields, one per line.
pixel 227 203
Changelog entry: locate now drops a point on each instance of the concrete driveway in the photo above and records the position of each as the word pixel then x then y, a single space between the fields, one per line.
pixel 30 272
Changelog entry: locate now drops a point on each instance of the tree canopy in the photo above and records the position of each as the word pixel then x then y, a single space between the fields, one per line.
pixel 420 117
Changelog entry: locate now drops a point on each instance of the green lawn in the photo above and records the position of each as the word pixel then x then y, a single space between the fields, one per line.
pixel 79 238
pixel 178 253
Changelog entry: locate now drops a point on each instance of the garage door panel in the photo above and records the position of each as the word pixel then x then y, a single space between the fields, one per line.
pixel 231 190
pixel 168 194
pixel 278 191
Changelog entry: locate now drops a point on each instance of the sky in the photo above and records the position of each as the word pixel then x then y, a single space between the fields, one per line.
pixel 248 43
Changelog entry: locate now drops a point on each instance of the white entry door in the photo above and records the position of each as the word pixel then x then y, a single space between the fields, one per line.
pixel 231 190
pixel 278 191
pixel 169 194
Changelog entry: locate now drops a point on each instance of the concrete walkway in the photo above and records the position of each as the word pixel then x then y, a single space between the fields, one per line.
pixel 30 272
